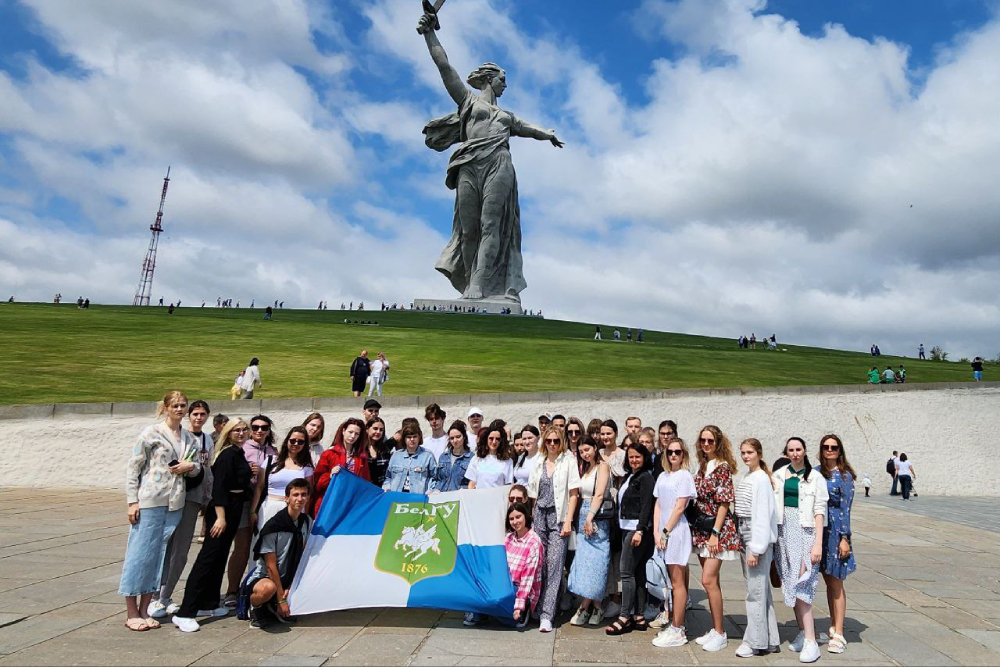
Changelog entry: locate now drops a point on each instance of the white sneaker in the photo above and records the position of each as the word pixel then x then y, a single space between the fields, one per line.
pixel 596 616
pixel 745 651
pixel 700 641
pixel 546 626
pixel 580 617
pixel 810 651
pixel 173 608
pixel 218 612
pixel 661 621
pixel 796 644
pixel 470 619
pixel 716 643
pixel 156 609
pixel 185 624
pixel 612 609
pixel 669 637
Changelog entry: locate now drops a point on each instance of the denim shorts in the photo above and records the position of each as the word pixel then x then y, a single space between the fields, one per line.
pixel 147 545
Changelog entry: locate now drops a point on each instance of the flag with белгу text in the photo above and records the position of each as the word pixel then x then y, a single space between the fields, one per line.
pixel 370 548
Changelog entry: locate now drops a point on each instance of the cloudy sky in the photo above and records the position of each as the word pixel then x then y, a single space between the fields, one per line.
pixel 824 171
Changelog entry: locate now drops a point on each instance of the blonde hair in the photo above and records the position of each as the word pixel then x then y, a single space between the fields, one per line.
pixel 224 441
pixel 723 449
pixel 558 432
pixel 168 400
pixel 685 457
pixel 759 448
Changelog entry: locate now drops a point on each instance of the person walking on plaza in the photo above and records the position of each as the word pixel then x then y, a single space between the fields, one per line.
pixel 714 535
pixel 379 374
pixel 891 466
pixel 588 576
pixel 360 370
pixel 801 500
pixel 554 485
pixel 758 523
pixel 231 488
pixel 155 486
pixel 635 518
pixel 838 554
pixel 906 474
pixel 198 493
pixel 251 378
pixel 674 491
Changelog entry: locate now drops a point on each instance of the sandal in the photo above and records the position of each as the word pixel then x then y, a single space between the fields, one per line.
pixel 152 623
pixel 640 623
pixel 230 600
pixel 619 627
pixel 838 644
pixel 136 624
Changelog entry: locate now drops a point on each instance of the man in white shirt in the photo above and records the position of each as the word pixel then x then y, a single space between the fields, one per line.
pixel 475 424
pixel 438 440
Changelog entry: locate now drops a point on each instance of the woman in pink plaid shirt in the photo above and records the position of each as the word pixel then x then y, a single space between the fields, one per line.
pixel 524 559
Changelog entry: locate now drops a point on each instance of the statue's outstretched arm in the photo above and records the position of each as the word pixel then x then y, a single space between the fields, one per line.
pixel 525 129
pixel 452 81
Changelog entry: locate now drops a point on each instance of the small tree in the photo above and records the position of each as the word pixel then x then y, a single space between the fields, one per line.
pixel 937 354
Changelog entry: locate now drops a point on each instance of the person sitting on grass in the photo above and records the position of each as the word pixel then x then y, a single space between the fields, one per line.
pixel 278 551
pixel 874 377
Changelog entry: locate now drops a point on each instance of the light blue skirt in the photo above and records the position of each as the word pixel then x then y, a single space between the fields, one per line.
pixel 588 575
pixel 147 545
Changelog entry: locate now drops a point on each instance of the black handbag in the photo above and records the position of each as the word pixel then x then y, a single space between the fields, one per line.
pixel 608 509
pixel 698 520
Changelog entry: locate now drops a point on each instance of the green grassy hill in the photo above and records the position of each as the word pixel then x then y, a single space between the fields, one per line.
pixel 119 353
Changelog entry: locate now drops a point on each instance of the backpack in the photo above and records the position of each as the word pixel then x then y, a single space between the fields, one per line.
pixel 890 467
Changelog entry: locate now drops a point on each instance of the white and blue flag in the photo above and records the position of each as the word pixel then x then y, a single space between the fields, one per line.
pixel 371 548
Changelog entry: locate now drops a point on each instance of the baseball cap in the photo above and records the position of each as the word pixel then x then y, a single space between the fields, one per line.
pixel 546 415
pixel 371 403
pixel 475 411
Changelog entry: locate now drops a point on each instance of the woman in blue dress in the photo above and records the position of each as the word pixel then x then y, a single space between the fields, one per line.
pixel 588 576
pixel 838 555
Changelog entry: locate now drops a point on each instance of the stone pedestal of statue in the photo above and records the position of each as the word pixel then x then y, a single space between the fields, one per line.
pixel 494 305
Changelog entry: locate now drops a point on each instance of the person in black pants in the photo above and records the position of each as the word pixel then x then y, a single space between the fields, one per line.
pixel 230 490
pixel 635 516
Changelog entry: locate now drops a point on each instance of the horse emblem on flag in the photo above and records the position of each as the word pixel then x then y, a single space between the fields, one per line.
pixel 420 540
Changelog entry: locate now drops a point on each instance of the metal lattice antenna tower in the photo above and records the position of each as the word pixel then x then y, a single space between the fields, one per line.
pixel 145 288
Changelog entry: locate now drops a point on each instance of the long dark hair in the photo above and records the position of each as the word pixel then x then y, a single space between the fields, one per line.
pixel 483 449
pixel 269 438
pixel 523 509
pixel 303 459
pixel 461 427
pixel 647 459
pixel 842 465
pixel 360 447
pixel 805 456
pixel 582 465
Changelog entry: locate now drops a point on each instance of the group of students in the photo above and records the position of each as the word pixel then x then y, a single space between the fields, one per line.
pixel 590 515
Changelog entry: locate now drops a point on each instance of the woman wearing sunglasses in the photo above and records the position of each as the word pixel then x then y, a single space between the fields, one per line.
pixel 673 491
pixel 555 487
pixel 575 431
pixel 801 498
pixel 714 535
pixel 588 576
pixel 838 556
pixel 294 461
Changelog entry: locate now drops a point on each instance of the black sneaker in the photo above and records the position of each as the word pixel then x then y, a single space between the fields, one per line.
pixel 259 618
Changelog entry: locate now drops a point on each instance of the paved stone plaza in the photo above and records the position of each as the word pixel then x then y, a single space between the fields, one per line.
pixel 927 592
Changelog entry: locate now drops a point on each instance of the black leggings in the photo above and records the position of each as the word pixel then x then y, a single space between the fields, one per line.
pixel 203 583
pixel 633 571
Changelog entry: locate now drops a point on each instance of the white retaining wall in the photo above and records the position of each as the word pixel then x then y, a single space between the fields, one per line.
pixel 951 432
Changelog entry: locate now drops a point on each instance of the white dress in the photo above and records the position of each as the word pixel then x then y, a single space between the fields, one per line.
pixel 669 487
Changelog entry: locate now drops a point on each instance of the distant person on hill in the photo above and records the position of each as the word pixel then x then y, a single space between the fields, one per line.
pixel 170 310
pixel 597 333
pixel 628 334
pixel 753 341
pixel 161 300
pixel 618 334
pixel 251 378
pixel 873 376
pixel 901 374
pixel 888 376
pixel 878 352
pixel 379 374
pixel 86 304
pixel 360 370
pixel 920 351
pixel 268 312
pixel 638 336
pixel 977 369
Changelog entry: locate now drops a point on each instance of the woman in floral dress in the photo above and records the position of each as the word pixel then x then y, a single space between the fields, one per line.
pixel 714 483
pixel 838 553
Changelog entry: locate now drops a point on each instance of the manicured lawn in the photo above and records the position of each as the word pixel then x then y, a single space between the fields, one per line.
pixel 119 353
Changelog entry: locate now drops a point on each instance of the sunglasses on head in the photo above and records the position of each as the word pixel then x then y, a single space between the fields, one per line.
pixel 296 441
pixel 261 427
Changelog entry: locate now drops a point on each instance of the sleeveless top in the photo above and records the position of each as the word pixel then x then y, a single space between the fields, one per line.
pixel 277 481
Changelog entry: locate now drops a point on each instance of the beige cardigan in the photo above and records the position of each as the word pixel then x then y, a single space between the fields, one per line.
pixel 148 480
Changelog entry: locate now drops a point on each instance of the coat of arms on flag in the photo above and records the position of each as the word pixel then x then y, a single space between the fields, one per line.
pixel 419 540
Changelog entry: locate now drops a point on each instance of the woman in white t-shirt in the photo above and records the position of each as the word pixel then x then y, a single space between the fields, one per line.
pixel 529 458
pixel 293 462
pixel 905 474
pixel 380 371
pixel 492 465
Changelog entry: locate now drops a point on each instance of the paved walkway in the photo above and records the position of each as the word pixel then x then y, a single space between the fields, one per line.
pixel 927 592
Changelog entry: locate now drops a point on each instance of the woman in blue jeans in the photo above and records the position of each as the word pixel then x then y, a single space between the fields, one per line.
pixel 905 474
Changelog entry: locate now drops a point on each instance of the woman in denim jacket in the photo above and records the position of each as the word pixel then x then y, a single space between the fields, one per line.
pixel 412 469
pixel 454 461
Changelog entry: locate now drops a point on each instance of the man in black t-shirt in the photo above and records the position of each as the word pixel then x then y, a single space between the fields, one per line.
pixel 360 370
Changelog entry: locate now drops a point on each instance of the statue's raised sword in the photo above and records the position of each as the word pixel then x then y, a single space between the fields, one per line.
pixel 431 9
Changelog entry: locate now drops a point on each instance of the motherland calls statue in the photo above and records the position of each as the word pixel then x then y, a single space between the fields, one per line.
pixel 483 257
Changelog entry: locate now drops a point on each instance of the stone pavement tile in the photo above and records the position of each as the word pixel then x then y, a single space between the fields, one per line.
pixel 377 649
pixel 869 602
pixel 255 640
pixel 318 641
pixel 295 660
pixel 38 567
pixel 912 598
pixel 606 650
pixel 219 659
pixel 358 618
pixel 982 608
pixel 988 638
pixel 11 584
pixel 405 621
pixel 35 543
pixel 63 654
pixel 9 619
pixel 957 647
pixel 874 630
pixel 43 627
pixel 965 591
pixel 957 619
pixel 451 648
pixel 48 595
